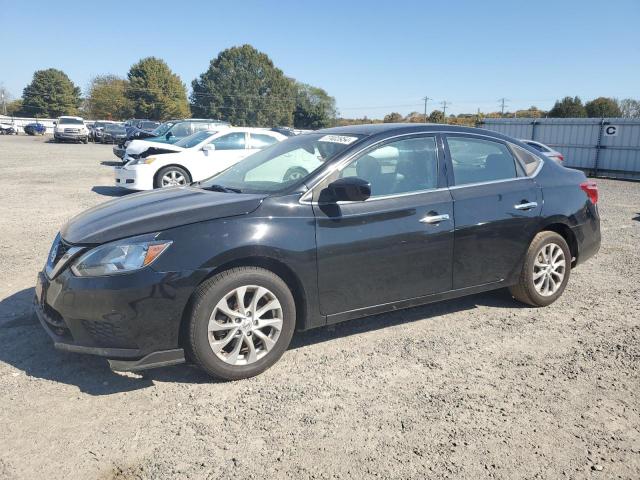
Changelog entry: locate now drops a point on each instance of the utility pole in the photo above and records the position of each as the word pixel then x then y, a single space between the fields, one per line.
pixel 426 99
pixel 4 106
pixel 444 110
pixel 502 105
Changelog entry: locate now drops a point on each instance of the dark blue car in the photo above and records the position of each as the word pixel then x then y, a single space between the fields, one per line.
pixel 35 128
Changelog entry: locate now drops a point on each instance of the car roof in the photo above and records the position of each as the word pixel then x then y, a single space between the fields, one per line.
pixel 399 128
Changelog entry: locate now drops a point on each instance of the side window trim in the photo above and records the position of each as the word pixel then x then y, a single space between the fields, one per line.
pixel 520 168
pixel 361 153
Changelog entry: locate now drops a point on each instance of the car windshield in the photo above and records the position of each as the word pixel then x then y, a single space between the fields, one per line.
pixel 194 139
pixel 113 127
pixel 281 165
pixel 147 125
pixel 162 129
pixel 70 121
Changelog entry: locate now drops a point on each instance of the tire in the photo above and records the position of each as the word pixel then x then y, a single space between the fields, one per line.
pixel 530 288
pixel 178 173
pixel 221 290
pixel 85 141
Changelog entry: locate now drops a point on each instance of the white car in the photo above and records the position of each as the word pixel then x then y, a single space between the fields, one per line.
pixel 545 150
pixel 70 129
pixel 200 156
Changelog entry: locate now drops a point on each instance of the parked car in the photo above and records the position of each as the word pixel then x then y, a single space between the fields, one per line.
pixel 392 216
pixel 70 129
pixel 35 128
pixel 545 150
pixel 95 132
pixel 8 129
pixel 162 143
pixel 113 133
pixel 201 155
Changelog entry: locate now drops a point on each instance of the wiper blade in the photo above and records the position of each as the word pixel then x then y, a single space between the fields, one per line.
pixel 221 188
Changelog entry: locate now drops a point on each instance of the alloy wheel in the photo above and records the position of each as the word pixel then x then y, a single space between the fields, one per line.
pixel 245 325
pixel 549 269
pixel 173 178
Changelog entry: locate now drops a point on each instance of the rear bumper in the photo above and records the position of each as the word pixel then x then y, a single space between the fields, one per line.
pixel 588 236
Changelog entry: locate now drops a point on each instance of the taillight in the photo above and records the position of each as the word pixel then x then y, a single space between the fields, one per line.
pixel 560 157
pixel 591 189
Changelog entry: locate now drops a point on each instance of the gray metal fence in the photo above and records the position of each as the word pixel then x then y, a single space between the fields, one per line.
pixel 605 147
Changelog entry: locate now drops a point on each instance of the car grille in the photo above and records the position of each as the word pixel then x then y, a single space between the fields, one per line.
pixel 106 334
pixel 71 130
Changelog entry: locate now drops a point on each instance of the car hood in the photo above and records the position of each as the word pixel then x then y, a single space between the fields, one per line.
pixel 154 211
pixel 136 147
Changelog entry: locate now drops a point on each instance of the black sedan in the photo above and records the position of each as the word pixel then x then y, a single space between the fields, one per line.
pixel 381 217
pixel 113 133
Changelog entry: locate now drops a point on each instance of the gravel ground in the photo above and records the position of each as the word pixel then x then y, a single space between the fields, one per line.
pixel 479 387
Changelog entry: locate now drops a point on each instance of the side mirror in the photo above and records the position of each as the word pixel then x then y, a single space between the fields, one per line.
pixel 349 189
pixel 168 135
pixel 209 147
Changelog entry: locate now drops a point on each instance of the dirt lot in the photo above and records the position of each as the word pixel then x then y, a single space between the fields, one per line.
pixel 473 388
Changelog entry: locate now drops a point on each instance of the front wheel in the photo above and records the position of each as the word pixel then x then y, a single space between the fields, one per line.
pixel 172 177
pixel 241 322
pixel 545 272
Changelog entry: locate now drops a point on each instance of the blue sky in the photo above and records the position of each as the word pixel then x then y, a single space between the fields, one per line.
pixel 373 57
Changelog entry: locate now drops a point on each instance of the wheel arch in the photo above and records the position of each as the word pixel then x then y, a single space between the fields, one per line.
pixel 563 229
pixel 268 263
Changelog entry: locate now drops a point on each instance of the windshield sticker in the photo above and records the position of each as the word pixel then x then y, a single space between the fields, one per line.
pixel 344 140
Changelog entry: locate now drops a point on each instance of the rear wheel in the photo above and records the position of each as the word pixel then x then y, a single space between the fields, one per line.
pixel 241 323
pixel 545 272
pixel 172 177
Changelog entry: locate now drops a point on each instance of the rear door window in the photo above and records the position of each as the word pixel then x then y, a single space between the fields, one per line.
pixel 230 141
pixel 476 160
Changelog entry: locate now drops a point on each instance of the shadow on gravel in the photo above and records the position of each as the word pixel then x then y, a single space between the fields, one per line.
pixel 637 217
pixel 497 298
pixel 27 347
pixel 111 191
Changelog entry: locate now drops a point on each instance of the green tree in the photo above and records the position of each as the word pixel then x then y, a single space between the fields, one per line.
pixel 629 108
pixel 50 94
pixel 106 98
pixel 603 107
pixel 436 117
pixel 314 107
pixel 243 86
pixel 393 117
pixel 155 91
pixel 568 108
pixel 531 112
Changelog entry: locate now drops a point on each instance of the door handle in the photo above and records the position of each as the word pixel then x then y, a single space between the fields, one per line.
pixel 525 206
pixel 435 218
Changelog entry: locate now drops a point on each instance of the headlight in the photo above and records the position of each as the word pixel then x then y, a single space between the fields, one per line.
pixel 118 258
pixel 140 161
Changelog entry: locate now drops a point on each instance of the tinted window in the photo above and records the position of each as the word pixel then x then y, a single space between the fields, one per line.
pixel 475 160
pixel 260 141
pixel 529 160
pixel 230 141
pixel 181 129
pixel 404 166
pixel 70 121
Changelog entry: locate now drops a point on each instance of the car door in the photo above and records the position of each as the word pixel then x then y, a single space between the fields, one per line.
pixel 396 245
pixel 496 209
pixel 229 149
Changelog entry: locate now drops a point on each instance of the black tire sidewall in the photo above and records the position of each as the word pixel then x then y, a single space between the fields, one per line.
pixel 549 237
pixel 211 295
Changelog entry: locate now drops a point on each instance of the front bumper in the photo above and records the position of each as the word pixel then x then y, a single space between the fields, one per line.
pixel 138 178
pixel 123 317
pixel 76 137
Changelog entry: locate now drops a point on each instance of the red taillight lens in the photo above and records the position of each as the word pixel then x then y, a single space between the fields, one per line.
pixel 591 189
pixel 560 157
